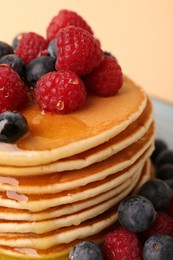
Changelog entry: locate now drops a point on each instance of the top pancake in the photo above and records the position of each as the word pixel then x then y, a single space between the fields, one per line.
pixel 52 137
pixel 129 136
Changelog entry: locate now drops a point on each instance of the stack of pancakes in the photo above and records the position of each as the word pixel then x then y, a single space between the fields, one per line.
pixel 63 181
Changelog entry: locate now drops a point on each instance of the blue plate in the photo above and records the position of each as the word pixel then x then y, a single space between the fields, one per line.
pixel 163 114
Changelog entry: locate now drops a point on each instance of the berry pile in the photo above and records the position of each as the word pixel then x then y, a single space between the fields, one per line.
pixel 146 219
pixel 69 49
pixel 60 69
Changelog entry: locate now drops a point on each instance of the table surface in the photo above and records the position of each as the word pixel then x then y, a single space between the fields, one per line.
pixel 163 114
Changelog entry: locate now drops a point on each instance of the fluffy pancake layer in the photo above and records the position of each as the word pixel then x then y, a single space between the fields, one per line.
pixel 61 181
pixel 63 238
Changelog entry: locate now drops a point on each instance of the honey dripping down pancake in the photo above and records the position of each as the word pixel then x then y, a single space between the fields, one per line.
pixel 94 124
pixel 63 178
pixel 130 135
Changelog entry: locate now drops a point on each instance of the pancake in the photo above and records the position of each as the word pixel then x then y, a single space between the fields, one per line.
pixel 87 128
pixel 63 181
pixel 34 203
pixel 55 212
pixel 50 238
pixel 60 236
pixel 41 227
pixel 60 250
pixel 145 177
pixel 68 180
pixel 132 134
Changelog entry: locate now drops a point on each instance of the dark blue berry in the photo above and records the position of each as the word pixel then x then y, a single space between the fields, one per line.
pixel 86 250
pixel 158 247
pixel 165 171
pixel 170 183
pixel 106 53
pixel 16 63
pixel 13 125
pixel 160 146
pixel 158 192
pixel 5 49
pixel 136 213
pixel 16 40
pixel 52 49
pixel 165 157
pixel 38 67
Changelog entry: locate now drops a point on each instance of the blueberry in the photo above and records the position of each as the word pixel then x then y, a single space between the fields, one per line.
pixel 16 40
pixel 86 250
pixel 158 247
pixel 5 49
pixel 165 171
pixel 170 183
pixel 160 146
pixel 16 63
pixel 165 157
pixel 38 67
pixel 13 125
pixel 136 213
pixel 158 192
pixel 52 49
pixel 109 54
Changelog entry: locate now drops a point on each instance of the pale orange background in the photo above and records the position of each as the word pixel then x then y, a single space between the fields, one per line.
pixel 138 32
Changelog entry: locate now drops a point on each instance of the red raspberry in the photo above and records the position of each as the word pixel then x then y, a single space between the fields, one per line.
pixel 12 89
pixel 163 224
pixel 30 45
pixel 170 208
pixel 106 79
pixel 122 244
pixel 63 19
pixel 60 92
pixel 78 51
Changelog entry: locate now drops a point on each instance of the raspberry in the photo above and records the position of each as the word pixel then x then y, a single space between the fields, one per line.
pixel 78 51
pixel 60 92
pixel 63 19
pixel 12 89
pixel 30 45
pixel 106 79
pixel 163 224
pixel 122 244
